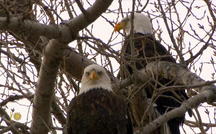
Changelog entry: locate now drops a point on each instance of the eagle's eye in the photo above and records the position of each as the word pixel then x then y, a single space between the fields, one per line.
pixel 87 73
pixel 100 72
pixel 126 20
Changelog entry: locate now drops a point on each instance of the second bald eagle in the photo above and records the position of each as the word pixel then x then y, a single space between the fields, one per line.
pixel 141 48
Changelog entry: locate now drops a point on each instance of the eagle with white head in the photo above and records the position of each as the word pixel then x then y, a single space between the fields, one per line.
pixel 96 109
pixel 139 49
pixel 142 24
pixel 93 77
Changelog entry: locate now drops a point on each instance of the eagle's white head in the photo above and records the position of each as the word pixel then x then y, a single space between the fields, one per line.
pixel 142 24
pixel 94 76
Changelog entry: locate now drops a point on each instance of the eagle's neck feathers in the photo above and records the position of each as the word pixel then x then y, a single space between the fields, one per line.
pixel 87 87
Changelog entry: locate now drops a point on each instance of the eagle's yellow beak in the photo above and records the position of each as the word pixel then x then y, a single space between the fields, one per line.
pixel 119 26
pixel 93 75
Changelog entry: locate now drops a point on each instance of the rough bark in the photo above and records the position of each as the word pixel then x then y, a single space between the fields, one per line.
pixel 53 55
pixel 74 63
pixel 30 31
pixel 65 32
pixel 191 103
pixel 45 88
pixel 207 92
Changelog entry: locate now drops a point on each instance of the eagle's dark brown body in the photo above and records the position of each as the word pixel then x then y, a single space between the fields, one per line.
pixel 146 50
pixel 98 111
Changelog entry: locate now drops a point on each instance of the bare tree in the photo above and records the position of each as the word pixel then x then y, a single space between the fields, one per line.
pixel 45 45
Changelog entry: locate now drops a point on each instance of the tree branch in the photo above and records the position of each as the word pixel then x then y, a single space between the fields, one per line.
pixel 64 33
pixel 181 76
pixel 74 63
pixel 12 125
pixel 45 90
pixel 190 103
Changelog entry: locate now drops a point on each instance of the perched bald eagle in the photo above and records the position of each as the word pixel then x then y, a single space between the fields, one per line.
pixel 96 109
pixel 138 50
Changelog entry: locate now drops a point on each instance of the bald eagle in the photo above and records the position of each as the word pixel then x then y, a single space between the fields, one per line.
pixel 139 49
pixel 96 109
